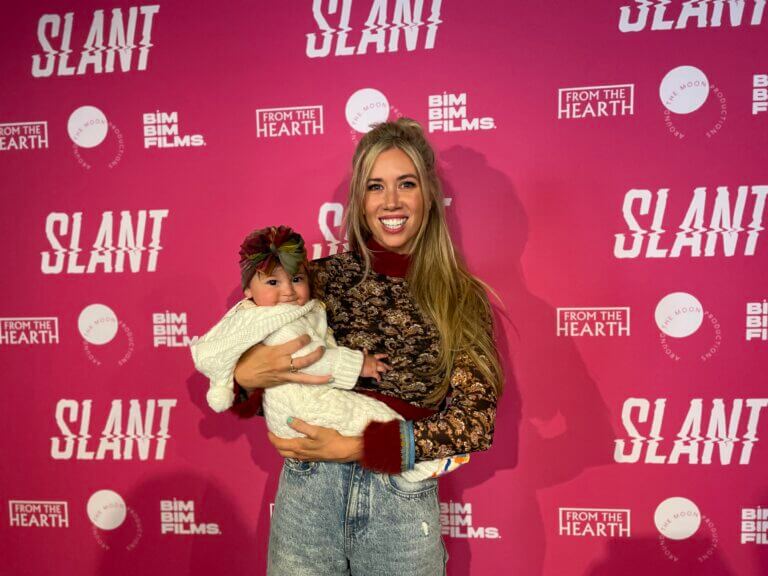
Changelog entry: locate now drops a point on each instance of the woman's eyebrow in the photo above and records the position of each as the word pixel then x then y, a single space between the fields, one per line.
pixel 403 177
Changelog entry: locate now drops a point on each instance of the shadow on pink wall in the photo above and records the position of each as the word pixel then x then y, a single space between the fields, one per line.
pixel 552 422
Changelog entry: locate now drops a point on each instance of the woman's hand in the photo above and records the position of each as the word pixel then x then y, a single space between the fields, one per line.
pixel 264 366
pixel 324 444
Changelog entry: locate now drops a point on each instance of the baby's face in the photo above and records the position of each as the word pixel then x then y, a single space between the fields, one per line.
pixel 279 288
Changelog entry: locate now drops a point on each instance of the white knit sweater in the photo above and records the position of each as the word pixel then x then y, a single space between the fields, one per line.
pixel 330 405
pixel 246 324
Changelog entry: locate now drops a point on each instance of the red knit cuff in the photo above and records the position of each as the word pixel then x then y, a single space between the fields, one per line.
pixel 406 410
pixel 249 406
pixel 382 447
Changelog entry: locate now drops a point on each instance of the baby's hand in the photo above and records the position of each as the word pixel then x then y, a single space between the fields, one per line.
pixel 373 367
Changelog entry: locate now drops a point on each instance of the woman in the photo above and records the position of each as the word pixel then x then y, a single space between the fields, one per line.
pixel 402 290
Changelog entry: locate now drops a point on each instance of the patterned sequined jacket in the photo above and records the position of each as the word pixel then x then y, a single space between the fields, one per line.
pixel 379 315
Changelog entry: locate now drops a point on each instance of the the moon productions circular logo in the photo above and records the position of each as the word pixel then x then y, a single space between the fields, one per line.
pixel 684 89
pixel 108 512
pixel 678 519
pixel 98 325
pixel 679 316
pixel 365 108
pixel 106 509
pixel 88 128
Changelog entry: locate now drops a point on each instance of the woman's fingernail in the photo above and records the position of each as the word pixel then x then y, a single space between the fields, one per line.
pixel 289 419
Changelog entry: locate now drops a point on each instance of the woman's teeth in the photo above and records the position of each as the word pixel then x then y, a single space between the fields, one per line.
pixel 392 224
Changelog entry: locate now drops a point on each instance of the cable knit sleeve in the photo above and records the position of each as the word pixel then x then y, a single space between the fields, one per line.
pixel 466 423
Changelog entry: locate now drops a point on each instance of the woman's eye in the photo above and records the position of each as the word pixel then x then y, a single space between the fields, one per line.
pixel 374 187
pixel 409 184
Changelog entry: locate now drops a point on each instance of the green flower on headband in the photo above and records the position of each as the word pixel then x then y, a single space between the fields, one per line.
pixel 264 249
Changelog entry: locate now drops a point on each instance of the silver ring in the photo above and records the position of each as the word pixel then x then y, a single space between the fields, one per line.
pixel 293 368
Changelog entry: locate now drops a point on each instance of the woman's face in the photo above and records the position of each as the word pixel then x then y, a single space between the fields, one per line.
pixel 394 204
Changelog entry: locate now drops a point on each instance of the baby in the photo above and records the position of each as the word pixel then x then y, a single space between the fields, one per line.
pixel 278 308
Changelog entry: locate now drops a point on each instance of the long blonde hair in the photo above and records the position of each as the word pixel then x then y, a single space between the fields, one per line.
pixel 439 281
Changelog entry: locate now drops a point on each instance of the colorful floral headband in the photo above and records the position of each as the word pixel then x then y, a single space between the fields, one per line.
pixel 264 249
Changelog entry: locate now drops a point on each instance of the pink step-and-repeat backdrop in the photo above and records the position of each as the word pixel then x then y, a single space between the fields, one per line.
pixel 606 173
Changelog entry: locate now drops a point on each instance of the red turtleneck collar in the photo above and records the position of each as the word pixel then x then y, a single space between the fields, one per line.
pixel 388 263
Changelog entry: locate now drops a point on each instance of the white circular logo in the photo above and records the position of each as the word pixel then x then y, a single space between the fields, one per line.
pixel 365 108
pixel 97 324
pixel 679 314
pixel 106 509
pixel 684 89
pixel 677 518
pixel 87 126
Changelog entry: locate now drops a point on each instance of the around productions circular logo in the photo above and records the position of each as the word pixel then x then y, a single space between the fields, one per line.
pixel 677 518
pixel 99 326
pixel 108 513
pixel 684 89
pixel 106 509
pixel 365 108
pixel 679 314
pixel 87 126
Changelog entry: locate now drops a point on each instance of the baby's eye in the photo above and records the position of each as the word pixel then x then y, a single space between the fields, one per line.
pixel 298 279
pixel 272 282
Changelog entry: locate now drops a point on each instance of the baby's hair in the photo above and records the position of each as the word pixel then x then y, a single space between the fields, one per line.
pixel 264 248
pixel 302 269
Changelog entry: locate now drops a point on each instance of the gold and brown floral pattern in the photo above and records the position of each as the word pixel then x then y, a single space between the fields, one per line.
pixel 379 314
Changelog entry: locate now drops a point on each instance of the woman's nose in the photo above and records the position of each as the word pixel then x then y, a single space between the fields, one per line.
pixel 390 197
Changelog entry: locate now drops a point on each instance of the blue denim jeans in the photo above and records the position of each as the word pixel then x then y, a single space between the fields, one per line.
pixel 335 519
